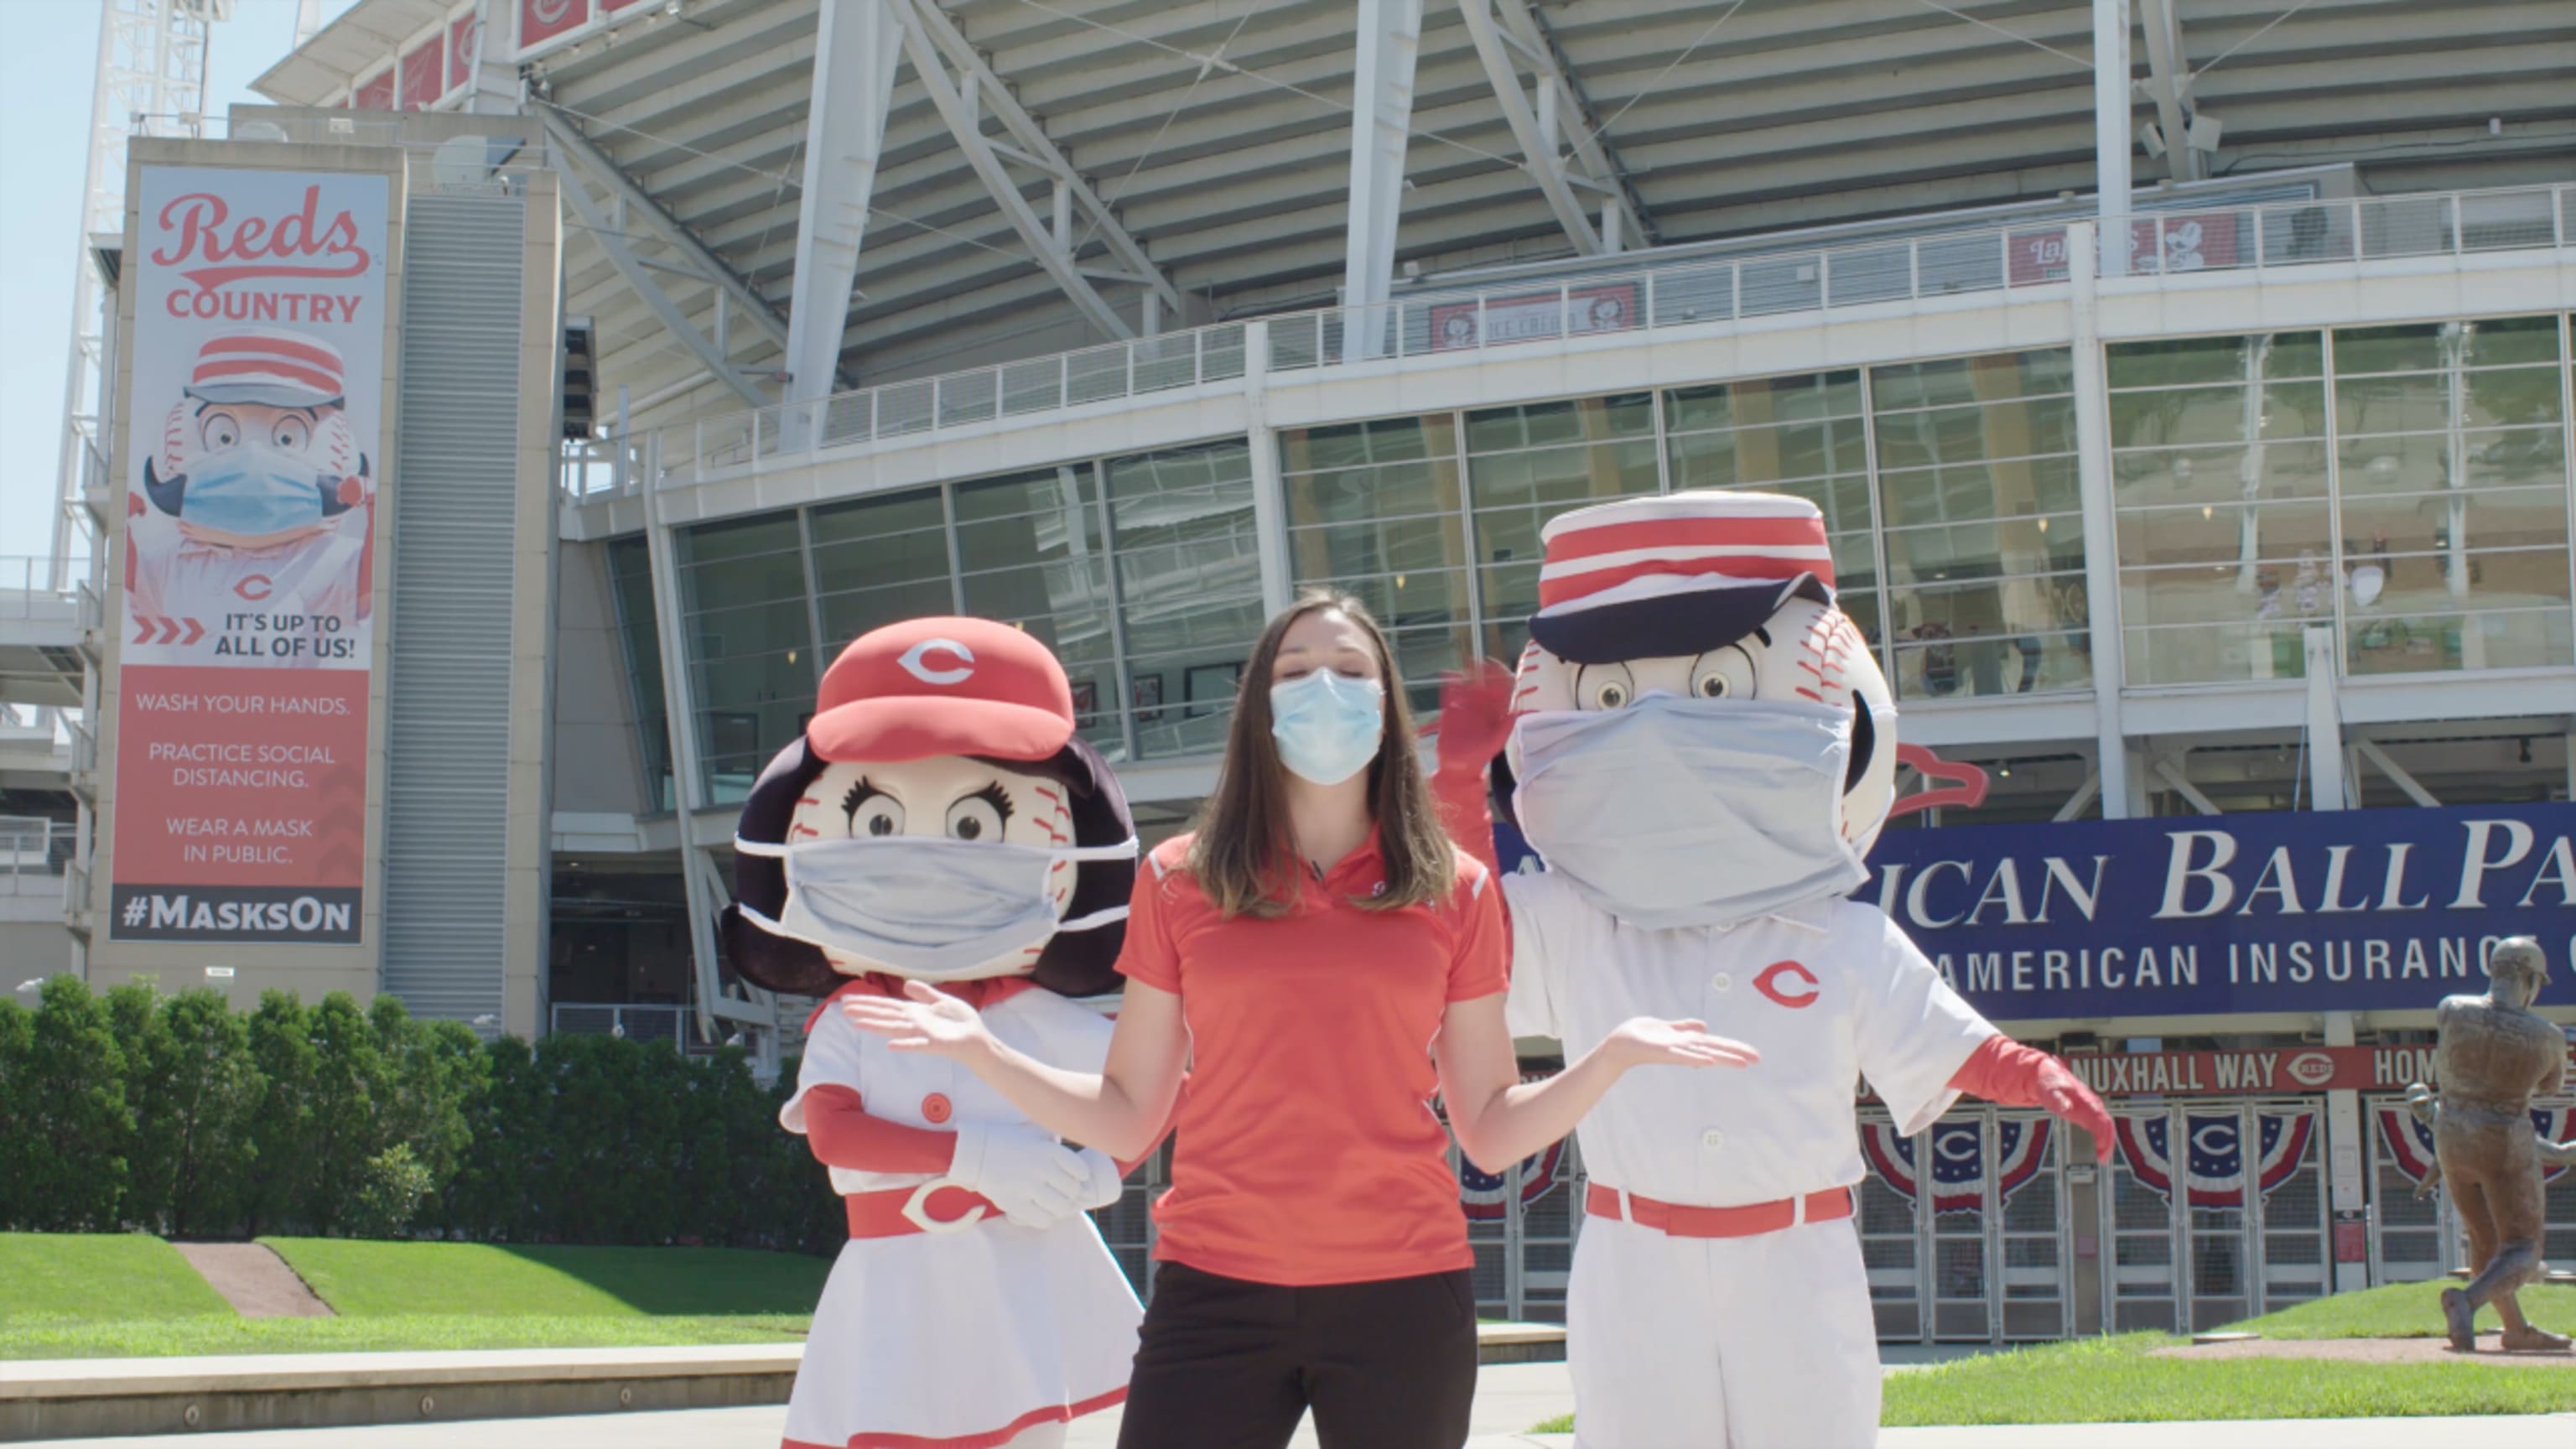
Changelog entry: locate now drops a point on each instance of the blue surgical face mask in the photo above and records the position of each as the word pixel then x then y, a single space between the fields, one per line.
pixel 1687 812
pixel 1327 725
pixel 931 907
pixel 250 490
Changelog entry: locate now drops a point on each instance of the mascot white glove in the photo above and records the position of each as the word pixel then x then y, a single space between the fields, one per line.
pixel 1035 1180
pixel 1107 1183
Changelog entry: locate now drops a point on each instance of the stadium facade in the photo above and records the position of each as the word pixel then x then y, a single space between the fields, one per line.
pixel 2193 433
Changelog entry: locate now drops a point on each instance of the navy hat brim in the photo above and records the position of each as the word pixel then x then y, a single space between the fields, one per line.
pixel 1665 625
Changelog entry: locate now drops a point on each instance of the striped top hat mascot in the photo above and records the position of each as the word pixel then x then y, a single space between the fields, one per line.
pixel 938 821
pixel 1701 749
pixel 257 497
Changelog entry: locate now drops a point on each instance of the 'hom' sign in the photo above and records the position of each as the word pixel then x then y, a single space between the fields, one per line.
pixel 2356 910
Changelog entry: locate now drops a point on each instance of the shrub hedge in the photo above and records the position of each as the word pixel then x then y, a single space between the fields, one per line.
pixel 177 1115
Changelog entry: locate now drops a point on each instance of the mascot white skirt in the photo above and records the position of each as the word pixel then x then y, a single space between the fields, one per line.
pixel 1702 749
pixel 940 821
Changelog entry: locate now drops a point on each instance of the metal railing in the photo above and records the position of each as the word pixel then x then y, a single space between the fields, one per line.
pixel 673 1024
pixel 27 588
pixel 1645 299
pixel 34 854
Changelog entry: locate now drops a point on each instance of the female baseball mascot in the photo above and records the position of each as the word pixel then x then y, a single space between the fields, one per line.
pixel 938 821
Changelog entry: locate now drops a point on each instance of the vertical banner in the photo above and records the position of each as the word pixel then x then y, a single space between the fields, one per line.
pixel 249 555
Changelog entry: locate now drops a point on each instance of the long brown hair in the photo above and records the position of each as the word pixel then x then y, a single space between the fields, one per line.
pixel 1242 856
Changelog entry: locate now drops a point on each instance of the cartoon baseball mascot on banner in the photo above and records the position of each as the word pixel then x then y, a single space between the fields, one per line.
pixel 258 498
pixel 940 822
pixel 1702 751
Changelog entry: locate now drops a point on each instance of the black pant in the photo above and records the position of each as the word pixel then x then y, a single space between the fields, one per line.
pixel 1226 1364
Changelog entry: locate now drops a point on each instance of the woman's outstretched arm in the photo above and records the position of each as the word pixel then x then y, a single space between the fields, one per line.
pixel 1121 1110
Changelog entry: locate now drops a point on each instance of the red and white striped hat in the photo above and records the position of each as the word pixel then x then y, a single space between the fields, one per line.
pixel 263 365
pixel 1644 578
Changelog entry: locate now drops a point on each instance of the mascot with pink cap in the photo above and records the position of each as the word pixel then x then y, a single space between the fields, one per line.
pixel 1702 750
pixel 940 821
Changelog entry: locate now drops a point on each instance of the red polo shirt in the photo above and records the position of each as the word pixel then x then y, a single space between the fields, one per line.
pixel 1307 1151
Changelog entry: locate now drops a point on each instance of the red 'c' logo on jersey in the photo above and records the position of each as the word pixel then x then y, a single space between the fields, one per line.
pixel 1768 983
pixel 255 587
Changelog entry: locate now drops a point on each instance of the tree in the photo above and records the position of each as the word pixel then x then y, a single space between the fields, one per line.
pixel 17 1169
pixel 352 1086
pixel 69 1097
pixel 203 1146
pixel 281 1052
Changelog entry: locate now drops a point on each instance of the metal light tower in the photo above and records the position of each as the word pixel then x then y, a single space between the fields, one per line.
pixel 151 80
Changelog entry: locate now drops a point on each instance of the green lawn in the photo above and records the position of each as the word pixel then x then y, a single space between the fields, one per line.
pixel 2405 1310
pixel 364 1279
pixel 2118 1380
pixel 86 1277
pixel 170 1337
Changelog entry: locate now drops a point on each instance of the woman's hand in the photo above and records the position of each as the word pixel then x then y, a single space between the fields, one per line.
pixel 1646 1041
pixel 928 1020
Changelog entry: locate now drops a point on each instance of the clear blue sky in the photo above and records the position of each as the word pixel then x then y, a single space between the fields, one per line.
pixel 48 54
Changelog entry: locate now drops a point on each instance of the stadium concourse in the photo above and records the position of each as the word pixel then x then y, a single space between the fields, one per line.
pixel 2185 383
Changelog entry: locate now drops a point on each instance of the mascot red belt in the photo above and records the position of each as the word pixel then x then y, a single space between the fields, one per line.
pixel 940 822
pixel 1702 751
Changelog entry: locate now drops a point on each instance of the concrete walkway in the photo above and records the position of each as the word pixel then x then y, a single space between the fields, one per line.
pixel 759 1429
pixel 254 1280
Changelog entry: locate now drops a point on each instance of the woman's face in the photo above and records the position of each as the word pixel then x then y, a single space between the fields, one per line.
pixel 1326 639
pixel 950 796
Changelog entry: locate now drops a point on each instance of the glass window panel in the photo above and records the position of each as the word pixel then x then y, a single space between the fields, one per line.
pixel 1986 549
pixel 2225 475
pixel 1071 532
pixel 1953 380
pixel 2007 606
pixel 2415 464
pixel 1391 546
pixel 741 580
pixel 1060 491
pixel 848 615
pixel 2007 428
pixel 2430 523
pixel 2178 361
pixel 1764 400
pixel 1387 440
pixel 631 585
pixel 1510 590
pixel 753 628
pixel 2218 652
pixel 1762 456
pixel 1410 600
pixel 2412 348
pixel 896 558
pixel 2218 414
pixel 2519 639
pixel 2224 534
pixel 1554 479
pixel 738 538
pixel 1592 419
pixel 1351 495
pixel 2519 456
pixel 2406 403
pixel 2017 487
pixel 871 518
pixel 1189 581
pixel 1025 593
pixel 2510 396
pixel 2432 583
pixel 2502 342
pixel 1422 656
pixel 1974 666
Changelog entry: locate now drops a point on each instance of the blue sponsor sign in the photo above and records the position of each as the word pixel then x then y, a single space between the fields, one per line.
pixel 2354 910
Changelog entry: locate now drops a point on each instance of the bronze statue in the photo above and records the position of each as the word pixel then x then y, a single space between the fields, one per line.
pixel 2491 1056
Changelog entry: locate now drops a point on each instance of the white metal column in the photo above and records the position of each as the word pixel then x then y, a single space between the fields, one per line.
pixel 854 62
pixel 1389 35
pixel 2101 551
pixel 2111 139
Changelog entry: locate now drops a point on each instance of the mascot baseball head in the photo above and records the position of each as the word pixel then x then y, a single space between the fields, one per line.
pixel 1701 736
pixel 258 446
pixel 938 820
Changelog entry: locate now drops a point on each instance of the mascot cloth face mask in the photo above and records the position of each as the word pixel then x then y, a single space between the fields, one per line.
pixel 1704 752
pixel 940 822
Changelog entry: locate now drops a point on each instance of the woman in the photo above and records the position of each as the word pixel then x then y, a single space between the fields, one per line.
pixel 1322 960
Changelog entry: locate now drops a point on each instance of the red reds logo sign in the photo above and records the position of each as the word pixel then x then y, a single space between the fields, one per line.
pixel 299 244
pixel 1768 983
pixel 2310 1069
pixel 916 662
pixel 255 587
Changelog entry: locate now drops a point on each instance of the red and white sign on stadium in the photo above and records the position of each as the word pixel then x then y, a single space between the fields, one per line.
pixel 248 555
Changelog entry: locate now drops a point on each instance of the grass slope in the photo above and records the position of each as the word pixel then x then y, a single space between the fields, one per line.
pixel 361 1279
pixel 172 1337
pixel 63 1278
pixel 2118 1380
pixel 2405 1310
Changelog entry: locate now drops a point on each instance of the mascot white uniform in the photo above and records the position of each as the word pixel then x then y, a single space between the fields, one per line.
pixel 1703 752
pixel 939 821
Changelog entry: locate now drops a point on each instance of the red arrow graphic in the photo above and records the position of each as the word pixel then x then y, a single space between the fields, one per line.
pixel 196 631
pixel 142 628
